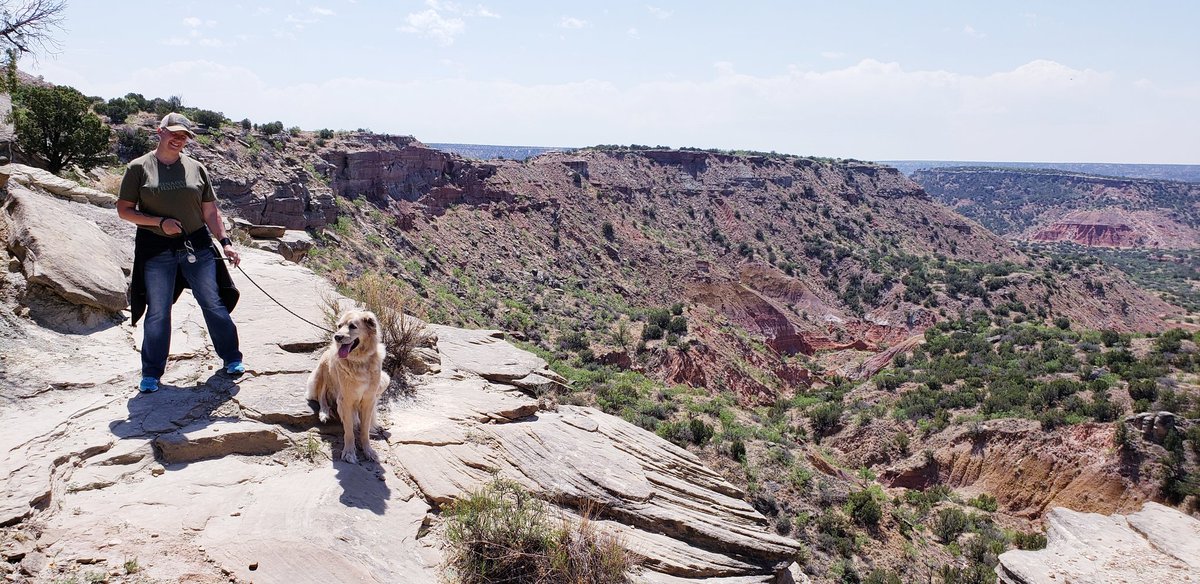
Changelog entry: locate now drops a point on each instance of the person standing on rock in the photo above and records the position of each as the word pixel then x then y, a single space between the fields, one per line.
pixel 170 198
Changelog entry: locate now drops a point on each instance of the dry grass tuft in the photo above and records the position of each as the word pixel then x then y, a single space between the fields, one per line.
pixel 502 534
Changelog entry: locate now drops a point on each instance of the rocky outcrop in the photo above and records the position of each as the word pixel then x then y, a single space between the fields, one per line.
pixel 1156 544
pixel 213 478
pixel 384 169
pixel 60 187
pixel 1092 228
pixel 64 252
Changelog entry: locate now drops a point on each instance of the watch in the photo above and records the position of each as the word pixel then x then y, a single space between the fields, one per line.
pixel 225 241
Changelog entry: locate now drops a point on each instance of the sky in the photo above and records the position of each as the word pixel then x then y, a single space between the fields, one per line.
pixel 1030 81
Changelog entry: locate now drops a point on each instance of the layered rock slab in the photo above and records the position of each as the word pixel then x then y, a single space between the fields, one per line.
pixel 683 519
pixel 1156 544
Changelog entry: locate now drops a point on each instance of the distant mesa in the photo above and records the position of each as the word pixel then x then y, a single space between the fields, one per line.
pixel 491 152
pixel 1178 172
pixel 1049 205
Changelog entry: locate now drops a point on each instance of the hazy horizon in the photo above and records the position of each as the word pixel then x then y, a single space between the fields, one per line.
pixel 1106 82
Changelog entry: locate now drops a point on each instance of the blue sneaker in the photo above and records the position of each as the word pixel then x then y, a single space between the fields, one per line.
pixel 235 368
pixel 148 385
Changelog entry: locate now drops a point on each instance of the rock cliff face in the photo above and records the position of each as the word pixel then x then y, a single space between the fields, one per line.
pixel 216 479
pixel 1091 228
pixel 1029 471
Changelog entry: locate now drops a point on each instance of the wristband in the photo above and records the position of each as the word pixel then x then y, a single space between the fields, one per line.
pixel 225 241
pixel 160 223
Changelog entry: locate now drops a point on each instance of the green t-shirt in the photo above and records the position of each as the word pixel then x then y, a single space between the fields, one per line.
pixel 168 190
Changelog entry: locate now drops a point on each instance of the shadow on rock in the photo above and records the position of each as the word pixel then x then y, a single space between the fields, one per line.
pixel 363 485
pixel 172 413
pixel 53 313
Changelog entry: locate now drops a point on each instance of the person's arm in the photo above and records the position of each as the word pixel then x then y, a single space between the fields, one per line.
pixel 128 211
pixel 212 218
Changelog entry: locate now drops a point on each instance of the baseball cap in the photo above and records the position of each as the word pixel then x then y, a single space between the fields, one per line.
pixel 174 122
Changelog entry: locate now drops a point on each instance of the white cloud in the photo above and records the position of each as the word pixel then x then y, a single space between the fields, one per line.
pixel 482 11
pixel 441 21
pixel 1041 110
pixel 832 54
pixel 971 32
pixel 659 12
pixel 430 23
pixel 300 20
pixel 321 11
pixel 571 22
pixel 633 32
pixel 192 22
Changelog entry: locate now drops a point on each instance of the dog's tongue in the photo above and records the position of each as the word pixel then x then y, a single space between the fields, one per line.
pixel 344 350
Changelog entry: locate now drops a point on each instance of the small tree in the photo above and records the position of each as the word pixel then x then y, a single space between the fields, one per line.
pixel 209 118
pixel 864 508
pixel 117 109
pixel 57 125
pixel 271 128
pixel 133 142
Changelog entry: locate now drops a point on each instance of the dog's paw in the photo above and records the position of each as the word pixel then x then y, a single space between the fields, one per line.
pixel 370 454
pixel 349 456
pixel 324 417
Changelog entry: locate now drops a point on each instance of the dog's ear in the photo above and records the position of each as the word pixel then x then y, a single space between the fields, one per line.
pixel 370 321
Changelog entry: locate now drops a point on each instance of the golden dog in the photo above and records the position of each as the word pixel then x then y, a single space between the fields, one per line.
pixel 350 374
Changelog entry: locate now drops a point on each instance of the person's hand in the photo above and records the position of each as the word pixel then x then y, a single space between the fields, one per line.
pixel 232 254
pixel 172 226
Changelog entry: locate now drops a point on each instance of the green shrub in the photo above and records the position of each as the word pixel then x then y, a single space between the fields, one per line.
pixel 835 533
pixel 984 502
pixel 863 507
pixel 677 325
pixel 271 128
pixel 133 142
pixel 882 576
pixel 209 118
pixel 701 431
pixel 652 331
pixel 573 341
pixel 1029 541
pixel 949 523
pixel 737 450
pixel 117 109
pixel 502 533
pixel 825 418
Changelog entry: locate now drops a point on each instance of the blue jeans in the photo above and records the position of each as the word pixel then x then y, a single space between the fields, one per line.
pixel 160 273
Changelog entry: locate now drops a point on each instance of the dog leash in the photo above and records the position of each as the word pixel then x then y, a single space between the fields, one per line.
pixel 260 288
